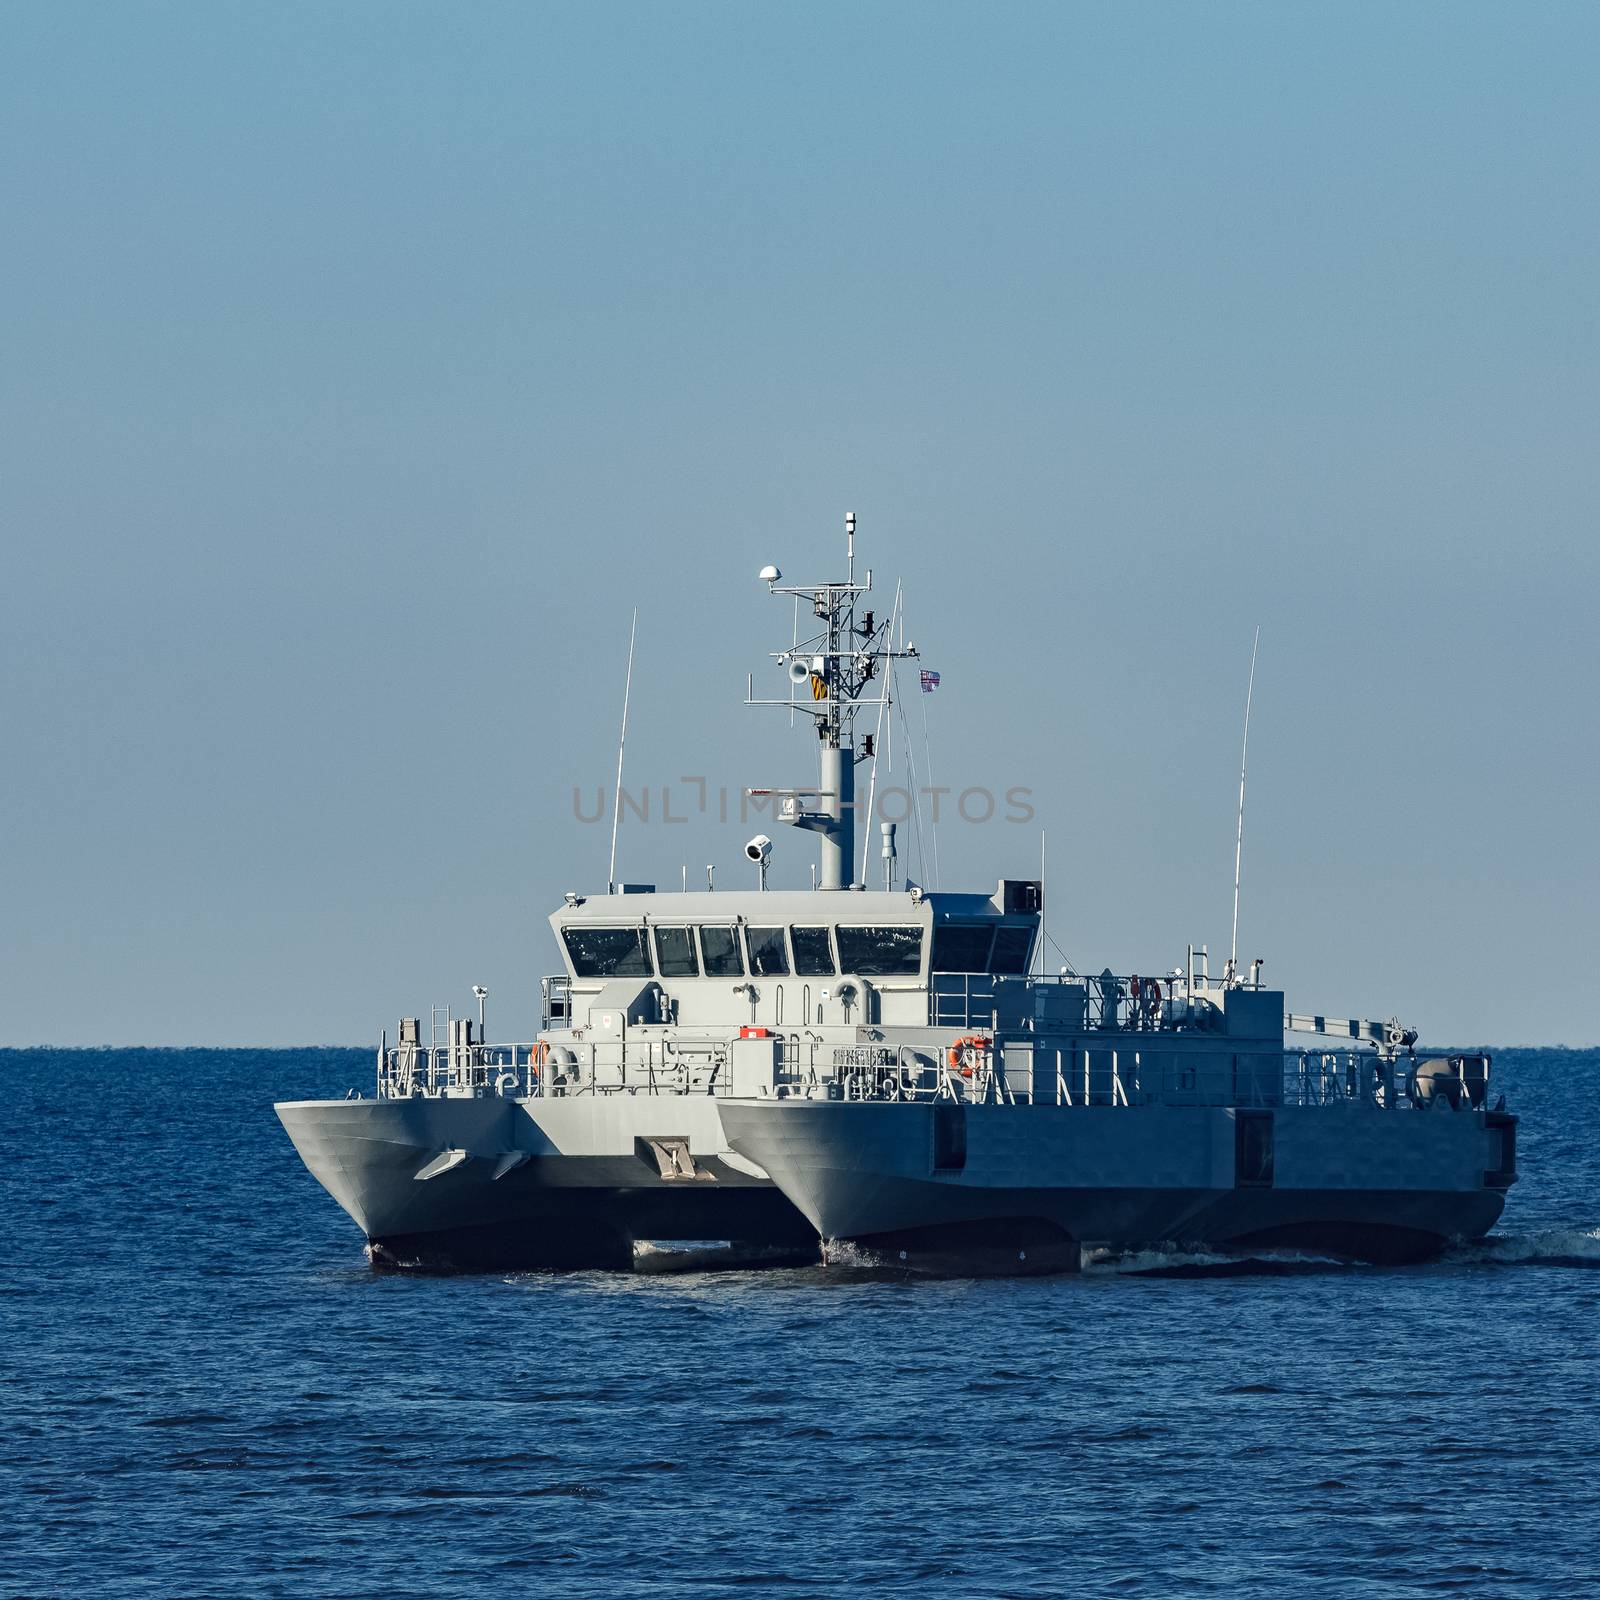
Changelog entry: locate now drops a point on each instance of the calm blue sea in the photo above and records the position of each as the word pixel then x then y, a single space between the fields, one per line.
pixel 205 1391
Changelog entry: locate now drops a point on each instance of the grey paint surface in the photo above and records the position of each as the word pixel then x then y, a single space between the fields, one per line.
pixel 1120 1177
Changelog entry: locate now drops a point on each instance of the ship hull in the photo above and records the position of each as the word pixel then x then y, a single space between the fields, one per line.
pixel 1028 1188
pixel 492 1183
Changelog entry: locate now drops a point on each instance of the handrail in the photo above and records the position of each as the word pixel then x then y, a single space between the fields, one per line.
pixel 1112 1002
pixel 993 1068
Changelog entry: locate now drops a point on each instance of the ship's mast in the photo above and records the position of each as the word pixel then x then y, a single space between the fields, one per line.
pixel 830 673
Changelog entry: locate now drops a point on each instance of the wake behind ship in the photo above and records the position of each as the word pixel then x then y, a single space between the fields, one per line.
pixel 890 1069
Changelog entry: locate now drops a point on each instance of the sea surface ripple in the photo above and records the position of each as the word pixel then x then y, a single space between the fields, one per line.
pixel 206 1391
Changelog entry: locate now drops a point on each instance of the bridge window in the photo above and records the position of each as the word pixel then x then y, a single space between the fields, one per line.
pixel 1010 958
pixel 675 953
pixel 720 949
pixel 608 952
pixel 813 955
pixel 880 952
pixel 768 957
pixel 962 947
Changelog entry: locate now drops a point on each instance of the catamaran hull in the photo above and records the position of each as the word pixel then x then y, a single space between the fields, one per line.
pixel 493 1183
pixel 1027 1188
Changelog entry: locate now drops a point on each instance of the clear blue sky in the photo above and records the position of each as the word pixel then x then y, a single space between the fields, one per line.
pixel 364 365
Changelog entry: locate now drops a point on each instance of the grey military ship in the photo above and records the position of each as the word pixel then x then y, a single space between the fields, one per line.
pixel 888 1074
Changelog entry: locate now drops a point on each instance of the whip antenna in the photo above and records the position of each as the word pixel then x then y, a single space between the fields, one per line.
pixel 616 799
pixel 885 700
pixel 1238 838
pixel 927 769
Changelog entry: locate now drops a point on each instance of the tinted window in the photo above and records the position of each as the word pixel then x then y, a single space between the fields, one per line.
pixel 813 955
pixel 880 952
pixel 720 947
pixel 675 953
pixel 1010 958
pixel 962 947
pixel 608 952
pixel 768 957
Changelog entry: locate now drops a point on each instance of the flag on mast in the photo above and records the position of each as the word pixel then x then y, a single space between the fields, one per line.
pixel 930 681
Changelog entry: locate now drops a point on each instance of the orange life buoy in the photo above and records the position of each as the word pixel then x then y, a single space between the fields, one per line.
pixel 973 1042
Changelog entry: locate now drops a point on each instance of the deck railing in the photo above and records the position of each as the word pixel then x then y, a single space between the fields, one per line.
pixel 1121 1002
pixel 1014 1070
pixel 434 1069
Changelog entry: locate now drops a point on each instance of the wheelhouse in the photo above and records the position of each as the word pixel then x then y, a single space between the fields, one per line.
pixel 797 958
